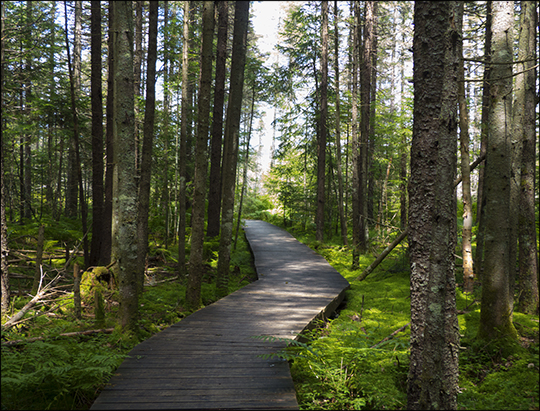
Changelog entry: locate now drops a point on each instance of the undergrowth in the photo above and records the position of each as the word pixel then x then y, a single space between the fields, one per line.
pixel 69 372
pixel 344 365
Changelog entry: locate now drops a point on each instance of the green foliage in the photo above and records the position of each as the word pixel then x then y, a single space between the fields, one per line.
pixel 62 374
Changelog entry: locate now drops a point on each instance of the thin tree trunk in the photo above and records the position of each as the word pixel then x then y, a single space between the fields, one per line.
pixel 97 135
pixel 193 289
pixel 38 272
pixel 106 241
pixel 466 237
pixel 355 139
pixel 186 98
pixel 232 132
pixel 214 192
pixel 342 221
pixel 323 127
pixel 528 251
pixel 246 164
pixel 137 62
pixel 486 102
pixel 148 137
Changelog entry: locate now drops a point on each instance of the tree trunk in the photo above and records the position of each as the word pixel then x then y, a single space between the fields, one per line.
pixel 4 275
pixel 97 135
pixel 466 237
pixel 496 312
pixel 75 72
pixel 342 221
pixel 106 241
pixel 355 139
pixel 124 227
pixel 366 69
pixel 193 289
pixel 321 143
pixel 480 197
pixel 525 103
pixel 148 137
pixel 214 192
pixel 137 62
pixel 186 99
pixel 232 132
pixel 433 370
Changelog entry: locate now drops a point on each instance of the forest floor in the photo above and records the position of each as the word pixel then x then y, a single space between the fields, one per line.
pixel 360 358
pixel 356 360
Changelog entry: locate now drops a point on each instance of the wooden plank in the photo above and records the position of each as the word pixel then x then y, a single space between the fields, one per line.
pixel 210 360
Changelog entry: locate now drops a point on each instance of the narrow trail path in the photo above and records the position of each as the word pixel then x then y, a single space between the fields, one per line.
pixel 210 360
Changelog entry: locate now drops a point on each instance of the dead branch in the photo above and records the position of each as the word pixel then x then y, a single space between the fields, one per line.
pixel 391 335
pixel 153 283
pixel 71 334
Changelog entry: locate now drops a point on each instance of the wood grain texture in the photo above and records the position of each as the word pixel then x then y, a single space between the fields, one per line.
pixel 210 359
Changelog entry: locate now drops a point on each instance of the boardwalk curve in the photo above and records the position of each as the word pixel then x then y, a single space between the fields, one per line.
pixel 209 360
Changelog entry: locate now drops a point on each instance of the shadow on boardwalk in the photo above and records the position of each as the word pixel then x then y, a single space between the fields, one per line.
pixel 209 360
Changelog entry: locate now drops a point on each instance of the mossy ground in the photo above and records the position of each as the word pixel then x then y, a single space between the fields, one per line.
pixel 350 373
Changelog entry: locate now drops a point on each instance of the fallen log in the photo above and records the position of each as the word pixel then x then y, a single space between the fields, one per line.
pixel 71 334
pixel 383 255
pixel 400 329
pixel 402 236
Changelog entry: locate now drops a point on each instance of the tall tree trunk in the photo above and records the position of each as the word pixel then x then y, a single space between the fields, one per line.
pixel 97 134
pixel 4 274
pixel 148 137
pixel 366 69
pixel 124 227
pixel 106 241
pixel 466 237
pixel 486 102
pixel 245 171
pixel 193 289
pixel 165 199
pixel 525 103
pixel 137 63
pixel 214 192
pixel 342 221
pixel 75 74
pixel 496 312
pixel 355 137
pixel 433 370
pixel 186 104
pixel 323 127
pixel 232 132
pixel 74 81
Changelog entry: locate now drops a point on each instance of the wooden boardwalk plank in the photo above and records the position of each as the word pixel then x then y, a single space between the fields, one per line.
pixel 210 360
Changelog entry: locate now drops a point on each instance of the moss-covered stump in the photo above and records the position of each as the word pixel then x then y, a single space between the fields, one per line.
pixel 97 287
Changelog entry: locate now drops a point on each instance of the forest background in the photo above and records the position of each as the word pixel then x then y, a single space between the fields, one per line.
pixel 342 170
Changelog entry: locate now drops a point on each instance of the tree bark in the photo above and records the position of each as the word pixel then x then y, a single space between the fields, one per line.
pixel 342 220
pixel 214 192
pixel 232 132
pixel 148 137
pixel 193 289
pixel 528 252
pixel 323 131
pixel 466 236
pixel 185 109
pixel 355 138
pixel 496 312
pixel 106 241
pixel 97 134
pixel 486 102
pixel 433 371
pixel 124 227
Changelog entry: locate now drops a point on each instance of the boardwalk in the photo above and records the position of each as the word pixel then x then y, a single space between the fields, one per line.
pixel 209 360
